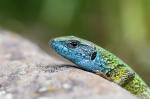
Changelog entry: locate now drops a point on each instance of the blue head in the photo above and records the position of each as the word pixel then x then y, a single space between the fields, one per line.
pixel 79 51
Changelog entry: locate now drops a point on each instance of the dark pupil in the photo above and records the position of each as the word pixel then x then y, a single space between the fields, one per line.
pixel 93 56
pixel 74 44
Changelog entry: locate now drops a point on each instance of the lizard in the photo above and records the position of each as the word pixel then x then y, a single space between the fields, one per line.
pixel 93 58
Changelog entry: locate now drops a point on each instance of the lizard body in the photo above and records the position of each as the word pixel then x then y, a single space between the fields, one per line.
pixel 94 58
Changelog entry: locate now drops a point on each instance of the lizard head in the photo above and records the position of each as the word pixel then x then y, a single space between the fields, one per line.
pixel 77 50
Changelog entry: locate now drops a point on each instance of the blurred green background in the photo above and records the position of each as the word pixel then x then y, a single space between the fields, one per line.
pixel 121 26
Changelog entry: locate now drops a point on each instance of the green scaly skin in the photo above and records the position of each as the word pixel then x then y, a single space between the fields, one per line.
pixel 134 83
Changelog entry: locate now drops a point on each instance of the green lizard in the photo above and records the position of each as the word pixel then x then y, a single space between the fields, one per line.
pixel 94 58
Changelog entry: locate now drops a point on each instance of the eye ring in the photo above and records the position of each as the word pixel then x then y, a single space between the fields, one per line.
pixel 73 43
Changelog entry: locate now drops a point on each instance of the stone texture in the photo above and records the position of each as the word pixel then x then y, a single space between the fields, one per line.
pixel 26 72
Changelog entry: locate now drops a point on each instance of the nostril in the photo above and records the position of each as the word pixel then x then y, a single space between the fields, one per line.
pixel 51 42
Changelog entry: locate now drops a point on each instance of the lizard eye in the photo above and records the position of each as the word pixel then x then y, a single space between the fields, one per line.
pixel 93 55
pixel 73 43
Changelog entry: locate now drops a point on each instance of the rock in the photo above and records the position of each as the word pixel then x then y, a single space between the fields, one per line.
pixel 26 72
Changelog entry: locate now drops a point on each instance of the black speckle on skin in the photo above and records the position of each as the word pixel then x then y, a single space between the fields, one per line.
pixel 93 55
